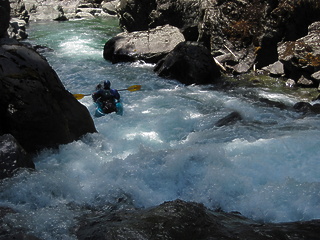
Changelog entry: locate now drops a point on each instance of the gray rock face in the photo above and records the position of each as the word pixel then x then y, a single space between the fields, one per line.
pixel 34 105
pixel 302 57
pixel 149 46
pixel 249 31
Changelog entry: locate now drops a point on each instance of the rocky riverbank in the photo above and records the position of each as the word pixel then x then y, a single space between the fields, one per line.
pixel 276 38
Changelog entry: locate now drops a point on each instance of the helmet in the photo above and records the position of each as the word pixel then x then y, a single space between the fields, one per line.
pixel 106 84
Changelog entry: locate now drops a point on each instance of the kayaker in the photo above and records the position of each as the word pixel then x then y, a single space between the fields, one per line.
pixel 106 97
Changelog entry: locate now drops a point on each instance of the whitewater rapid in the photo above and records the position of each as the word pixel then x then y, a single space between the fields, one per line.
pixel 165 146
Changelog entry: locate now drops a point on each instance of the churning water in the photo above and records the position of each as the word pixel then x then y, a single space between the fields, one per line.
pixel 165 146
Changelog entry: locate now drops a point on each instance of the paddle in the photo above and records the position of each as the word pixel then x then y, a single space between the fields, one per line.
pixel 132 88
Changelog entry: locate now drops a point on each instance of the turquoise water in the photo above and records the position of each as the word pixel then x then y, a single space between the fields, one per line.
pixel 165 145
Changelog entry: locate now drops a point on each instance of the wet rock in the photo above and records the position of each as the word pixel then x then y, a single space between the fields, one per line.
pixel 189 63
pixel 9 231
pixel 187 220
pixel 230 119
pixel 35 107
pixel 302 107
pixel 149 46
pixel 272 103
pixel 307 108
pixel 41 49
pixel 12 156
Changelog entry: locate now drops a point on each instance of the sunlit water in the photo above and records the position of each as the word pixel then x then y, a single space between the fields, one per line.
pixel 165 146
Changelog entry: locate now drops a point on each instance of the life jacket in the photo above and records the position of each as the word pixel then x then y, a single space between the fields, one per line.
pixel 108 101
pixel 106 95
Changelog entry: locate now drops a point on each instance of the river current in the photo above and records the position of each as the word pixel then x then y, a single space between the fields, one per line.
pixel 165 146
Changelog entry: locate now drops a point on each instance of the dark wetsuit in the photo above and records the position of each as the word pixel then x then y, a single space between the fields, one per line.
pixel 107 99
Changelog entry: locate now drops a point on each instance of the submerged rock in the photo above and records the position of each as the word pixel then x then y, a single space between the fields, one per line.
pixel 307 108
pixel 232 118
pixel 190 63
pixel 187 220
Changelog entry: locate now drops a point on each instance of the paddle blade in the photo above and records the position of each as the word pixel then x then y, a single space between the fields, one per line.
pixel 134 88
pixel 79 96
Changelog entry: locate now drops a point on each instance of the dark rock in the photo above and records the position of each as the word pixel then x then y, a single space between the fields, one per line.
pixel 41 49
pixel 272 103
pixel 303 107
pixel 12 156
pixel 149 46
pixel 35 107
pixel 316 108
pixel 11 231
pixel 4 17
pixel 190 63
pixel 232 118
pixel 189 221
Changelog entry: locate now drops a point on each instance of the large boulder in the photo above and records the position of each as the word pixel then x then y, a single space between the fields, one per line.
pixel 302 57
pixel 34 105
pixel 4 17
pixel 190 63
pixel 149 46
pixel 187 220
pixel 12 156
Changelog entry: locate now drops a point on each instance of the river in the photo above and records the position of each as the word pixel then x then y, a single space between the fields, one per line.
pixel 165 145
